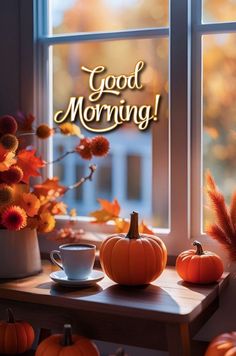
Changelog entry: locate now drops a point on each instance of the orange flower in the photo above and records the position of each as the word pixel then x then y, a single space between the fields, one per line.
pixel 30 203
pixel 6 159
pixel 46 222
pixel 14 218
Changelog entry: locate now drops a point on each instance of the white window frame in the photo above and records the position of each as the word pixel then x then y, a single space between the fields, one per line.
pixel 185 155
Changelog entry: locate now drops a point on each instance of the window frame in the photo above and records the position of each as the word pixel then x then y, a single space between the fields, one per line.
pixel 199 29
pixel 185 107
pixel 177 237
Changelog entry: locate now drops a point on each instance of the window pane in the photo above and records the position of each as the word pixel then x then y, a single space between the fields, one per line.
pixel 134 177
pixel 70 16
pixel 219 111
pixel 219 11
pixel 113 175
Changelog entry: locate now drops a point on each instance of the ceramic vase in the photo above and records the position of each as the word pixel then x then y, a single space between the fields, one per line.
pixel 19 253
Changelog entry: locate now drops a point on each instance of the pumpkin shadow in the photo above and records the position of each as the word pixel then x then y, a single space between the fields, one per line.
pixel 57 290
pixel 199 288
pixel 148 296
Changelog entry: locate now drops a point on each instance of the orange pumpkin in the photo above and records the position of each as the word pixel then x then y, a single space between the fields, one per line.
pixel 222 345
pixel 199 266
pixel 16 337
pixel 67 344
pixel 133 259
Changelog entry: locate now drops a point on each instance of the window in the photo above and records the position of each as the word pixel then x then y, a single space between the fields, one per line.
pixel 184 43
pixel 71 38
pixel 214 108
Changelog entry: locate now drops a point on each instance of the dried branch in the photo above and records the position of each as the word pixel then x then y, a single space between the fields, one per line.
pixel 61 157
pixel 92 168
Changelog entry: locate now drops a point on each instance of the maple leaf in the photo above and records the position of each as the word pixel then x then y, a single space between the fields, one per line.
pixel 109 211
pixel 122 225
pixel 111 207
pixel 69 129
pixel 50 187
pixel 29 163
pixel 144 229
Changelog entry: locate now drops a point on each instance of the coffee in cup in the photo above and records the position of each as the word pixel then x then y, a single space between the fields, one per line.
pixel 77 259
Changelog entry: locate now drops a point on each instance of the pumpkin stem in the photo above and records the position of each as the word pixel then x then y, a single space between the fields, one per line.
pixel 199 251
pixel 11 318
pixel 133 232
pixel 67 336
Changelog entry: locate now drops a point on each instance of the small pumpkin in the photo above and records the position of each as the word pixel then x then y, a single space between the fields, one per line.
pixel 133 259
pixel 67 344
pixel 222 345
pixel 16 337
pixel 198 266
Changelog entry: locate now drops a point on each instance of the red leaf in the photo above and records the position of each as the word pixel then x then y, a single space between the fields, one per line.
pixel 50 187
pixel 29 163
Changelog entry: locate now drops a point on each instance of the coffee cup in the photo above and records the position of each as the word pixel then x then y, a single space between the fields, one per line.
pixel 77 260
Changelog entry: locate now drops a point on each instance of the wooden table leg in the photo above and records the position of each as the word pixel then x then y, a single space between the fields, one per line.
pixel 178 339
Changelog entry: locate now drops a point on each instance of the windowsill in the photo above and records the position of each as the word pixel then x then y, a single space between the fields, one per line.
pixel 95 234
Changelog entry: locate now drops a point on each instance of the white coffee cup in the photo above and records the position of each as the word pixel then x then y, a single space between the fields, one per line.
pixel 77 259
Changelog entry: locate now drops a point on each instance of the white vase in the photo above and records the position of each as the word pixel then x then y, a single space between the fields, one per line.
pixel 19 253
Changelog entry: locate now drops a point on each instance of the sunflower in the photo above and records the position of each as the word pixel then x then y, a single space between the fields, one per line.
pixel 46 222
pixel 14 218
pixel 30 203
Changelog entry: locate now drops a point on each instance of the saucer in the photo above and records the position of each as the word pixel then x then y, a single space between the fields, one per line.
pixel 61 278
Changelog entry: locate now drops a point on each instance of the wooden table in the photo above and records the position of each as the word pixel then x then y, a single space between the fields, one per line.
pixel 163 315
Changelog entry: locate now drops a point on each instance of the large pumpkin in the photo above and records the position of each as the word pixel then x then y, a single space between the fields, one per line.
pixel 67 344
pixel 223 345
pixel 198 266
pixel 16 337
pixel 133 259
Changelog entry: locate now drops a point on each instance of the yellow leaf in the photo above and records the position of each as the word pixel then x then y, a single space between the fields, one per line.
pixel 121 225
pixel 101 216
pixel 73 213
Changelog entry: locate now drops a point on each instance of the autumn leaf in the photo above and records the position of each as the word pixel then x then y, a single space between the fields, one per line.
pixel 73 213
pixel 6 159
pixel 69 129
pixel 50 187
pixel 112 207
pixel 122 225
pixel 109 211
pixel 144 229
pixel 29 163
pixel 58 208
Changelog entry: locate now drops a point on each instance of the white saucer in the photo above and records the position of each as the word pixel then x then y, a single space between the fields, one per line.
pixel 61 278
